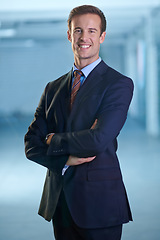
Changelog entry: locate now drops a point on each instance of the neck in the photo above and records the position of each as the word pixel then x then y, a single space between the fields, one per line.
pixel 81 63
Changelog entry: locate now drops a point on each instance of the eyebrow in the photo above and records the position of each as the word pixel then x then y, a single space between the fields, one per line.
pixel 93 29
pixel 88 28
pixel 77 28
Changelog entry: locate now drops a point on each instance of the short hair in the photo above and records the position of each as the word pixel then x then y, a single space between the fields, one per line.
pixel 85 9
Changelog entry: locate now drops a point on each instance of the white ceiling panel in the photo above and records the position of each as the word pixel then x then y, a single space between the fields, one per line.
pixel 47 20
pixel 15 5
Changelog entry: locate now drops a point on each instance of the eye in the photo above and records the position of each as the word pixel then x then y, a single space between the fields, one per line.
pixel 77 31
pixel 92 30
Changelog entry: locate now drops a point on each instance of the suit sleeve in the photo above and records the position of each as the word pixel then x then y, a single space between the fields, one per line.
pixel 35 147
pixel 111 117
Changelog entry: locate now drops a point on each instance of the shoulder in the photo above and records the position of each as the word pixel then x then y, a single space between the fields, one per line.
pixel 54 85
pixel 112 76
pixel 57 82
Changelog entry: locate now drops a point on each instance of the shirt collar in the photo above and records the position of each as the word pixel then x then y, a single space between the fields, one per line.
pixel 86 70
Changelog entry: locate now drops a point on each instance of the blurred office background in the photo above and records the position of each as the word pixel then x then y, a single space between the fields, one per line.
pixel 33 51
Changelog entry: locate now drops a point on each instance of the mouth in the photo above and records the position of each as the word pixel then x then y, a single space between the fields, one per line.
pixel 84 46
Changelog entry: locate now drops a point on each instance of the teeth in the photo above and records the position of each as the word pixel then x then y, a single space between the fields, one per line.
pixel 84 46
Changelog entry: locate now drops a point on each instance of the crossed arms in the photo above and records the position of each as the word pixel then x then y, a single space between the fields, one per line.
pixel 72 160
pixel 78 147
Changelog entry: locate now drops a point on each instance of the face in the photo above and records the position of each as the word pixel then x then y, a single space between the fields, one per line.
pixel 85 36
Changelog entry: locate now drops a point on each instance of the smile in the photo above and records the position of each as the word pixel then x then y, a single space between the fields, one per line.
pixel 84 46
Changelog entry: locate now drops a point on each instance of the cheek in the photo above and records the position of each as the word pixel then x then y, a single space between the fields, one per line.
pixel 96 40
pixel 74 41
pixel 74 46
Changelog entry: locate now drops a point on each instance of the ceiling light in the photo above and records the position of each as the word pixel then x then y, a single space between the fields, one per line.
pixel 7 33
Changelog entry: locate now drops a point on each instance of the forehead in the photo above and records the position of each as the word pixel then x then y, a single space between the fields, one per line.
pixel 88 20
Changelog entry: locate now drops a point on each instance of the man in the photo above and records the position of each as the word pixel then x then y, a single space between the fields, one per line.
pixel 74 135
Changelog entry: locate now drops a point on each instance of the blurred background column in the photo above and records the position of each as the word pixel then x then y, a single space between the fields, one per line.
pixel 131 71
pixel 152 118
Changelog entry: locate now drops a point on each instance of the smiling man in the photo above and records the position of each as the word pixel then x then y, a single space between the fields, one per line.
pixel 74 134
pixel 85 35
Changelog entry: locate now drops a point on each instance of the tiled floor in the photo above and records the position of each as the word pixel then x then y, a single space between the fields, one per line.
pixel 21 183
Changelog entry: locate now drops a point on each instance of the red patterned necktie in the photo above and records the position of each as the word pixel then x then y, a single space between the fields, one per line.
pixel 76 85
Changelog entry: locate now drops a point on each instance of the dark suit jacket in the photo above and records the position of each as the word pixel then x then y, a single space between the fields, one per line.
pixel 94 191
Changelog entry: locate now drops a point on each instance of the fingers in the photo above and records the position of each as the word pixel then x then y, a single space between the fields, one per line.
pixel 84 160
pixel 94 124
pixel 89 159
pixel 73 161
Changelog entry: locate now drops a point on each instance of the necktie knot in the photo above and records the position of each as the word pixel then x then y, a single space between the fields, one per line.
pixel 78 73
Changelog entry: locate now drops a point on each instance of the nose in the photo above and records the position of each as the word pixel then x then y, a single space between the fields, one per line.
pixel 84 36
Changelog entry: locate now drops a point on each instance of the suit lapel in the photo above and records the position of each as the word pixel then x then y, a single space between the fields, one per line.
pixel 93 79
pixel 61 100
pixel 59 106
pixel 64 96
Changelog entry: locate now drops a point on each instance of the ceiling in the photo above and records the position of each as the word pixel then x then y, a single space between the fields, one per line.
pixel 37 20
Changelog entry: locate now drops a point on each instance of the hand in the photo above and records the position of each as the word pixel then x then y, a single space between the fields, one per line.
pixel 94 124
pixel 73 161
pixel 49 138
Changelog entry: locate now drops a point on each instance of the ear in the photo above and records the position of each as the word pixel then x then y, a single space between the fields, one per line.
pixel 102 37
pixel 69 36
